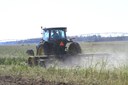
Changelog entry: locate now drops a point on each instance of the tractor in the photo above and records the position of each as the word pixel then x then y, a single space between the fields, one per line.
pixel 53 43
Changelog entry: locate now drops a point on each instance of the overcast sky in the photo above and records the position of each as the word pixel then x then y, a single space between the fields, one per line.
pixel 22 19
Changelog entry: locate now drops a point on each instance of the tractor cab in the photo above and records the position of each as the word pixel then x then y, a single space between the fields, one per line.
pixel 54 42
pixel 54 34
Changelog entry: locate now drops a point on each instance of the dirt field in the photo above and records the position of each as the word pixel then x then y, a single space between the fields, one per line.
pixel 10 80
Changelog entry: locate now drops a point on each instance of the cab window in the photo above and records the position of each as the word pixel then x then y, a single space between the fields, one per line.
pixel 57 34
pixel 46 35
pixel 62 33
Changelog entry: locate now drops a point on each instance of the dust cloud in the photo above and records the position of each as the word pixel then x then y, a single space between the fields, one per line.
pixel 108 55
pixel 108 60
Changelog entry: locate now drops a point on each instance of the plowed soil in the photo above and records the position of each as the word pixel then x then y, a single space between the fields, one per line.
pixel 10 80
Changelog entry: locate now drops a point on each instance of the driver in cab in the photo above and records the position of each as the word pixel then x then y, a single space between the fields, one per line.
pixel 55 35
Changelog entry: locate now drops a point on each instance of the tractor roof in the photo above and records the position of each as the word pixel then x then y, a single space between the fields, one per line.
pixel 55 28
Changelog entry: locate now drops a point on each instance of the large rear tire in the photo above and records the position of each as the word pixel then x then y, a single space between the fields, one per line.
pixel 47 49
pixel 39 49
pixel 74 48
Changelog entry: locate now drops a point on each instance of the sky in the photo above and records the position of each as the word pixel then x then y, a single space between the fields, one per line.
pixel 22 19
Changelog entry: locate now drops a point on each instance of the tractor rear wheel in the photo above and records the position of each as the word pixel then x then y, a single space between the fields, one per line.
pixel 74 48
pixel 47 49
pixel 39 49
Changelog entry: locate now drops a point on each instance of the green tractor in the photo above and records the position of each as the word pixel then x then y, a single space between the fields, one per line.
pixel 54 43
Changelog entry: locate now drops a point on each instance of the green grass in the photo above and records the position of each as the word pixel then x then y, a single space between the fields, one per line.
pixel 13 58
